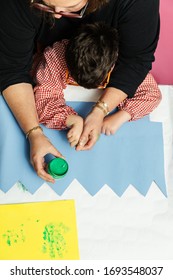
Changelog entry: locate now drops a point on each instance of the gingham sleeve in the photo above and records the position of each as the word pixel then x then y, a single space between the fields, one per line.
pixel 50 79
pixel 145 100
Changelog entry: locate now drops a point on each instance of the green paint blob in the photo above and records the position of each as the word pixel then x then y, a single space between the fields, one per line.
pixel 14 236
pixel 9 241
pixel 54 240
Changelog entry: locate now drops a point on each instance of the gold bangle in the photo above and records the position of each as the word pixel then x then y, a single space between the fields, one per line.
pixel 101 108
pixel 32 129
pixel 105 106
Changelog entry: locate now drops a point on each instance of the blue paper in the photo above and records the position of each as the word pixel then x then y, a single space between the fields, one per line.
pixel 134 155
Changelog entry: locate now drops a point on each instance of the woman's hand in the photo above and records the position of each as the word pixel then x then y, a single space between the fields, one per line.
pixel 91 130
pixel 20 99
pixel 94 121
pixel 40 145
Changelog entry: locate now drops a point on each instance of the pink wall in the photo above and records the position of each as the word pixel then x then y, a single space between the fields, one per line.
pixel 163 66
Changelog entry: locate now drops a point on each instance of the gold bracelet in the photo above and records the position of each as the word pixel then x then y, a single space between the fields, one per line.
pixel 32 129
pixel 103 106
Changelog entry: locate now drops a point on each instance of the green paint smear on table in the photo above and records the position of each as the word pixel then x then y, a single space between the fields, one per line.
pixel 22 186
pixel 54 241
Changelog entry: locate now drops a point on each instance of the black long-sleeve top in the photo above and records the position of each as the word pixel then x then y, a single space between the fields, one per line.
pixel 21 27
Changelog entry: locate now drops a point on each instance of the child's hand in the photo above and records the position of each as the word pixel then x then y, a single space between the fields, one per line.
pixel 76 127
pixel 113 122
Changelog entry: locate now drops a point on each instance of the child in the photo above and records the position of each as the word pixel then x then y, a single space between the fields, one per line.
pixel 96 51
pixel 86 60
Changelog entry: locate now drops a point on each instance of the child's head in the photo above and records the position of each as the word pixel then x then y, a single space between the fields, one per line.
pixel 91 54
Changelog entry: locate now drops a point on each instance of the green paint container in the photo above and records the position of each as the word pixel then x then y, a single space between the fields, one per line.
pixel 57 168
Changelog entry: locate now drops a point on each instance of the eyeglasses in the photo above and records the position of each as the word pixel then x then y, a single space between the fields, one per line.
pixel 105 81
pixel 51 10
pixel 103 85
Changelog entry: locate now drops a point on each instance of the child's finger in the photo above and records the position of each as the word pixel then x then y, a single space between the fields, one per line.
pixel 74 143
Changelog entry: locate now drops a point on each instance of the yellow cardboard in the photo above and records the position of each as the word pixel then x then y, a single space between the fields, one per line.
pixel 38 231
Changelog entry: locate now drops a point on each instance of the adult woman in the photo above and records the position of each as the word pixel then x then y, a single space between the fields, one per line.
pixel 22 25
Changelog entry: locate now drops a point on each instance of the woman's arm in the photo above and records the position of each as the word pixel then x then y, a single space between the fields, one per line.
pixel 18 30
pixel 93 122
pixel 20 99
pixel 138 26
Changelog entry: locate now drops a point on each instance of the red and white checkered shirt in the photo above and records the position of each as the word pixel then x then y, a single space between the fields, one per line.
pixel 51 81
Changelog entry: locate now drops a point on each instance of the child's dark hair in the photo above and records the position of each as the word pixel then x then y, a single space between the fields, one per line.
pixel 91 54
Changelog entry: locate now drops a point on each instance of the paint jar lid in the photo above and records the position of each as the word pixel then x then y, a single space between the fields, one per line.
pixel 57 168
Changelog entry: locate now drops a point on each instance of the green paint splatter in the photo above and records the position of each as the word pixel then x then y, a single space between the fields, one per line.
pixel 21 186
pixel 14 236
pixel 8 240
pixel 54 240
